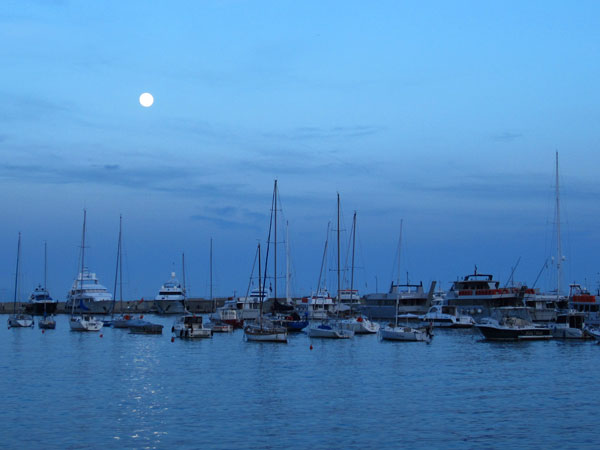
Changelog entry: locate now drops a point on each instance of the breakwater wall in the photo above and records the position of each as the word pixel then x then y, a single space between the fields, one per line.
pixel 194 305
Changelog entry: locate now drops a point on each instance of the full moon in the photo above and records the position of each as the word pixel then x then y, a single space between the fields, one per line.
pixel 146 100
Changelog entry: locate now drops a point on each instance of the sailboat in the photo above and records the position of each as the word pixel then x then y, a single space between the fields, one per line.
pixel 263 330
pixel 333 329
pixel 216 324
pixel 18 320
pixel 83 322
pixel 359 324
pixel 47 322
pixel 395 332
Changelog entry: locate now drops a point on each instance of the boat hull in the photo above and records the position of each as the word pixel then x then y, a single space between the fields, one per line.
pixel 169 307
pixel 47 324
pixel 20 321
pixel 85 324
pixel 329 332
pixel 362 326
pixel 406 334
pixel 499 333
pixel 265 335
pixel 37 308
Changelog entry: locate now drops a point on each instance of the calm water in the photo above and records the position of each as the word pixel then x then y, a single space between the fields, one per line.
pixel 71 390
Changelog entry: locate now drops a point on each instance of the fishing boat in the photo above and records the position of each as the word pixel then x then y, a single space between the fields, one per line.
pixel 394 331
pixel 19 319
pixel 82 294
pixel 580 299
pixel 512 323
pixel 446 316
pixel 569 324
pixel 191 326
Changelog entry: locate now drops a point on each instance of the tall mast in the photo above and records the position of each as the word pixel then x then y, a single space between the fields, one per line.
pixel 82 262
pixel 287 261
pixel 120 262
pixel 324 259
pixel 211 275
pixel 260 292
pixel 118 274
pixel 275 242
pixel 17 274
pixel 45 265
pixel 338 248
pixel 183 272
pixel 398 284
pixel 558 242
pixel 353 247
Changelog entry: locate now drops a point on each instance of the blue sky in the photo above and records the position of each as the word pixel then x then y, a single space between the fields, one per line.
pixel 444 114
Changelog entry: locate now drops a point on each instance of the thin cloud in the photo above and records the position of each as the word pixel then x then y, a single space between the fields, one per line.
pixel 506 136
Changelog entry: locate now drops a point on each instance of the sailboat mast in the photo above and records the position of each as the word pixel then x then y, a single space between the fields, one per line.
pixel 82 263
pixel 275 242
pixel 353 248
pixel 338 249
pixel 558 241
pixel 323 260
pixel 17 274
pixel 117 266
pixel 121 262
pixel 287 261
pixel 211 274
pixel 260 291
pixel 398 284
pixel 45 265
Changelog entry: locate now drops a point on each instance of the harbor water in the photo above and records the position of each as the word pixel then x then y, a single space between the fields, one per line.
pixel 112 389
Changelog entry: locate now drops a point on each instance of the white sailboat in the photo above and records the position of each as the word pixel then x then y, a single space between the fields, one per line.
pixel 83 322
pixel 358 324
pixel 18 320
pixel 264 330
pixel 47 322
pixel 395 332
pixel 332 329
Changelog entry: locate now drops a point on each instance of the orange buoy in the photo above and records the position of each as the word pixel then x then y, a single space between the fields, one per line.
pixel 101 335
pixel 43 331
pixel 172 339
pixel 311 347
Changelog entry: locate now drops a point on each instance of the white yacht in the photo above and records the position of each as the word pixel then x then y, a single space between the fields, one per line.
pixel 191 326
pixel 171 297
pixel 85 322
pixel 569 324
pixel 238 310
pixel 87 295
pixel 447 316
pixel 410 298
pixel 319 306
